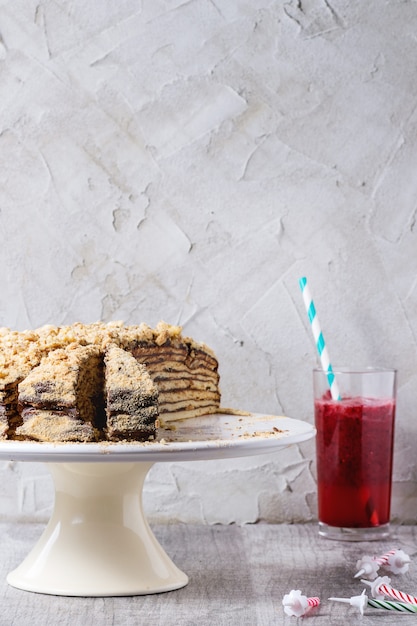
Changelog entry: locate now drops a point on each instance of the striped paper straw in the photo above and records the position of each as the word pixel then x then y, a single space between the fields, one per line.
pixel 319 339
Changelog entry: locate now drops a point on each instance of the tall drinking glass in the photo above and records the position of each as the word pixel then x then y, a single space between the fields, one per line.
pixel 354 445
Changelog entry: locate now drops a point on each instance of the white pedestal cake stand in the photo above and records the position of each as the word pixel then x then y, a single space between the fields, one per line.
pixel 98 541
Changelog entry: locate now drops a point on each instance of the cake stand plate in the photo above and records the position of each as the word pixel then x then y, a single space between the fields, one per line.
pixel 98 541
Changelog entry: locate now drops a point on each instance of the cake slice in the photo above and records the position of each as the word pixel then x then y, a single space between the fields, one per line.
pixel 131 398
pixel 62 398
pixel 19 353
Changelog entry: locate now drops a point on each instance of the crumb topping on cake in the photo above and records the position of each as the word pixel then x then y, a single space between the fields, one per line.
pixel 56 374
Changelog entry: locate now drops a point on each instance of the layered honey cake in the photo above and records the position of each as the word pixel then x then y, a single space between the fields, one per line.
pixel 89 382
pixel 131 398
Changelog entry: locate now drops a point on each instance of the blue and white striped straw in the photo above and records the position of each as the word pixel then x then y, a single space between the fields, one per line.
pixel 319 339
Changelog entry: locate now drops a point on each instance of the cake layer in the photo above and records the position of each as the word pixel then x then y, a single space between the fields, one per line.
pixel 186 376
pixel 55 426
pixel 132 427
pixel 183 411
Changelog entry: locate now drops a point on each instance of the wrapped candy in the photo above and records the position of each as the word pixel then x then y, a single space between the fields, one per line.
pixel 296 604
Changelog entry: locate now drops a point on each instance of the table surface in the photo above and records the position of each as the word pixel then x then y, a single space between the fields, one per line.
pixel 238 575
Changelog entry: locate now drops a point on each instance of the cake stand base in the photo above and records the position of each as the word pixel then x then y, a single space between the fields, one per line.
pixel 98 542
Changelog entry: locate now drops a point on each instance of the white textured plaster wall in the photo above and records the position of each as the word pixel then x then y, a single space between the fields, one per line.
pixel 189 161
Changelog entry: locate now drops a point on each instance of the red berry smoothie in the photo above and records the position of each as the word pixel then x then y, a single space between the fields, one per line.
pixel 354 446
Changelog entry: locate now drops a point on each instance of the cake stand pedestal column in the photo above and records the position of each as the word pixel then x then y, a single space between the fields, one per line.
pixel 98 542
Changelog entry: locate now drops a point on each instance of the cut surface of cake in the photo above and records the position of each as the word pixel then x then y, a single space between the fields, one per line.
pixel 61 398
pixel 185 372
pixel 131 398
